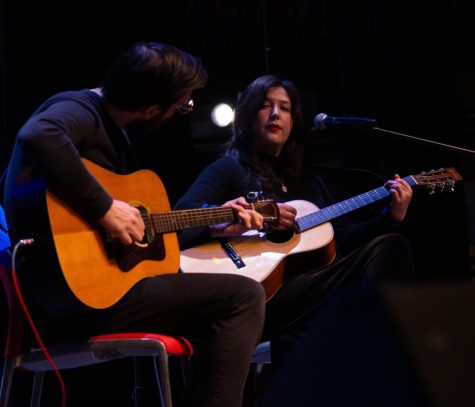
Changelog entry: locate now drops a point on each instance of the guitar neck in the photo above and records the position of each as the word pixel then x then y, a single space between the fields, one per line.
pixel 165 222
pixel 333 211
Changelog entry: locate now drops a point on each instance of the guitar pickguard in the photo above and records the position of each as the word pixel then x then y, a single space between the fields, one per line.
pixel 127 257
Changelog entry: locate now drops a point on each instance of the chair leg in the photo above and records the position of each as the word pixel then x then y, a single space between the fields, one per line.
pixel 38 381
pixel 6 384
pixel 259 379
pixel 161 367
pixel 185 369
pixel 162 373
pixel 137 393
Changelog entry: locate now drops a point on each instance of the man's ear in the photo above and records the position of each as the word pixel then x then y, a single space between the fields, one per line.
pixel 151 111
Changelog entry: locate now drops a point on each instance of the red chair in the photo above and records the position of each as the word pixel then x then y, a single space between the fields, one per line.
pixel 97 349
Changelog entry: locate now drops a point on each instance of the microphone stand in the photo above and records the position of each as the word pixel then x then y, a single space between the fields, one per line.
pixel 421 140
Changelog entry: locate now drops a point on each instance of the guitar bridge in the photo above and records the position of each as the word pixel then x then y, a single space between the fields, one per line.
pixel 232 253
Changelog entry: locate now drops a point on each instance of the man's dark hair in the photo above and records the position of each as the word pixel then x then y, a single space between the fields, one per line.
pixel 152 73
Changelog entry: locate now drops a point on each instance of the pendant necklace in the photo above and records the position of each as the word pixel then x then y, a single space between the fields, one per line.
pixel 284 188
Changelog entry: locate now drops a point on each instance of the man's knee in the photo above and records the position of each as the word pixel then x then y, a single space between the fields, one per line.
pixel 252 291
pixel 250 297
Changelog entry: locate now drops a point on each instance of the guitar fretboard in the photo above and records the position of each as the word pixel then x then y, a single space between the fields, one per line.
pixel 165 222
pixel 333 211
pixel 189 218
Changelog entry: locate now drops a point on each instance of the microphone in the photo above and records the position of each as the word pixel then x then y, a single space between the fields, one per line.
pixel 322 121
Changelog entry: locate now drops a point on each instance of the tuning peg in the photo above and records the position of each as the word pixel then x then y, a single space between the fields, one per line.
pixel 252 196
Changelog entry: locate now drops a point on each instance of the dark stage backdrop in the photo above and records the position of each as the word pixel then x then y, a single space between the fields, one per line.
pixel 410 65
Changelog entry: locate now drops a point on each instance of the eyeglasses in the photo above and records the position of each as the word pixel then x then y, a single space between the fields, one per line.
pixel 186 108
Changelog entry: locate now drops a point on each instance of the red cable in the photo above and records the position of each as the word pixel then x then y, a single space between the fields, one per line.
pixel 38 337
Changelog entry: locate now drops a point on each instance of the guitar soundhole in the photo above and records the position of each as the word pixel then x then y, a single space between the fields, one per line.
pixel 280 236
pixel 127 257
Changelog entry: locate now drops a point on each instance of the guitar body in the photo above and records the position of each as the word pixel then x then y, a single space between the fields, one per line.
pixel 96 272
pixel 94 277
pixel 266 261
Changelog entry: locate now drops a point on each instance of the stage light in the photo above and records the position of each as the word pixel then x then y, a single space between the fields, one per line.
pixel 222 115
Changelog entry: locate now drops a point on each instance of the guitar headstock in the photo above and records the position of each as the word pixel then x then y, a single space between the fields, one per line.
pixel 438 180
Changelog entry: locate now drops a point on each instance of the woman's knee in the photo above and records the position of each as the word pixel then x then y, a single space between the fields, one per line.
pixel 395 242
pixel 395 256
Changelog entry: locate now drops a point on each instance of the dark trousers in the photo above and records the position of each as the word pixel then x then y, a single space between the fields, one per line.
pixel 222 315
pixel 387 257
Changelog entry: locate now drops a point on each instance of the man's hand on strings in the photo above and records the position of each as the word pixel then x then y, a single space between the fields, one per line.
pixel 123 222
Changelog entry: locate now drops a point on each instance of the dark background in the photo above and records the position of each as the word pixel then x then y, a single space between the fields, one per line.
pixel 408 64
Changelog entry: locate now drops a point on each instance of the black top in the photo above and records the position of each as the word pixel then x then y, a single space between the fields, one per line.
pixel 47 153
pixel 67 126
pixel 227 178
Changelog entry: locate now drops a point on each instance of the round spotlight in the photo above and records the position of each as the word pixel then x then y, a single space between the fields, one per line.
pixel 222 115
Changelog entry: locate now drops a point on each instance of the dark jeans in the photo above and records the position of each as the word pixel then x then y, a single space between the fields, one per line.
pixel 222 315
pixel 387 257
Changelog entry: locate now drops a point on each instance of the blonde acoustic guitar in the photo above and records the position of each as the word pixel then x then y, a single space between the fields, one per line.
pixel 271 258
pixel 100 271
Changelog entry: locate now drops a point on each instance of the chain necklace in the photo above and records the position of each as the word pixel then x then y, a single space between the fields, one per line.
pixel 283 186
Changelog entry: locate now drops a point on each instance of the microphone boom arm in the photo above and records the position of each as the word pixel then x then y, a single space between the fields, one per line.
pixel 425 141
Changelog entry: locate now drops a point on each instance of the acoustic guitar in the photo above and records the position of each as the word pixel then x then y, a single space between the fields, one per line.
pixel 270 258
pixel 99 270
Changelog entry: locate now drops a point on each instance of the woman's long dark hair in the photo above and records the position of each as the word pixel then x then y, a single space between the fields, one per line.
pixel 243 144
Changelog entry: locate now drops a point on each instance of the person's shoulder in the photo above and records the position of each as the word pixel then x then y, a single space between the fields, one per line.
pixel 224 167
pixel 228 163
pixel 226 160
pixel 74 103
pixel 82 96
